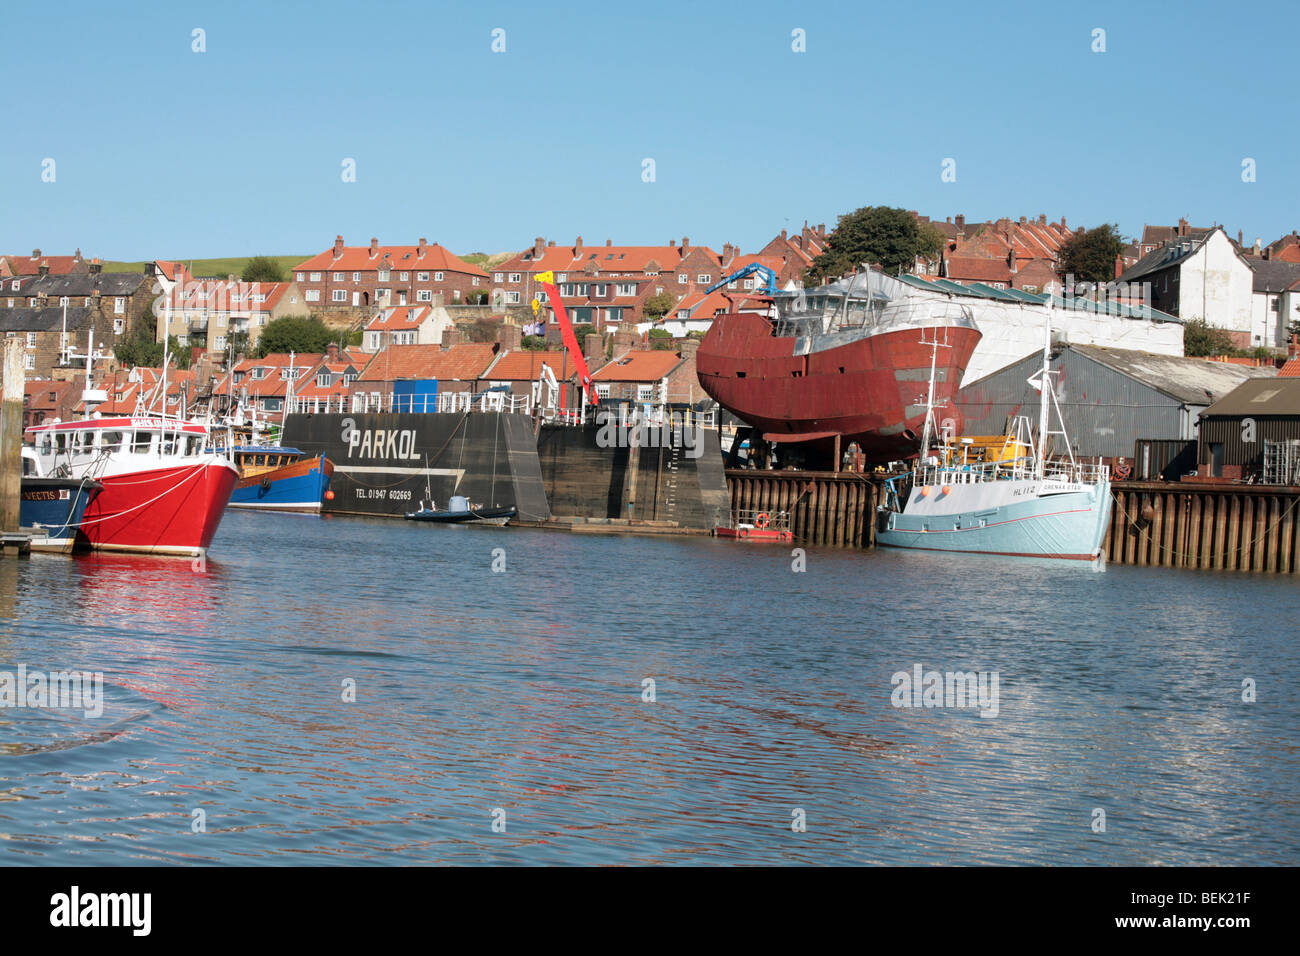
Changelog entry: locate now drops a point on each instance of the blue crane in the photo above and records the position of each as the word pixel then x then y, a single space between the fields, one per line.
pixel 768 275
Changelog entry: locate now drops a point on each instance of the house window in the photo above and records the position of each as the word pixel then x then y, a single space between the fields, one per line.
pixel 14 284
pixel 339 276
pixel 474 280
pixel 312 295
pixel 602 391
pixel 31 340
pixel 681 279
pixel 381 294
pixel 422 277
pixel 424 295
pixel 626 288
pixel 599 290
pixel 383 275
pixel 403 276
pixel 561 276
pixel 512 298
pixel 437 277
pixel 323 380
pixel 339 295
pixel 315 277
pixel 119 304
pixel 496 277
pixel 515 277
pixel 119 326
pixel 63 300
pixel 219 342
pixel 298 276
pixel 455 295
pixel 29 362
pixel 704 277
pixel 645 393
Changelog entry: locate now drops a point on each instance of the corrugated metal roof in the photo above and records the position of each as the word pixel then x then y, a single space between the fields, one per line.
pixel 1192 381
pixel 1259 396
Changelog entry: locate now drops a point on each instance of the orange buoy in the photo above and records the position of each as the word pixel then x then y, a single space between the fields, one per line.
pixel 946 489
pixel 762 520
pixel 329 496
pixel 925 490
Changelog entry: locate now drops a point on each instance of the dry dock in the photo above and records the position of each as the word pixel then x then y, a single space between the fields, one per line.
pixel 1158 524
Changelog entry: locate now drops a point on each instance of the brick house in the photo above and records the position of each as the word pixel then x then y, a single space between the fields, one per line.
pixel 47 401
pixel 456 367
pixel 652 376
pixel 798 250
pixel 349 277
pixel 1006 254
pixel 618 279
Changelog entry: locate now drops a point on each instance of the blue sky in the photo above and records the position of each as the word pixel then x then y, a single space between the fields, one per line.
pixel 160 151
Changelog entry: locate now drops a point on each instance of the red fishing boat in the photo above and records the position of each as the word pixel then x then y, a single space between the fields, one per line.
pixel 163 492
pixel 846 362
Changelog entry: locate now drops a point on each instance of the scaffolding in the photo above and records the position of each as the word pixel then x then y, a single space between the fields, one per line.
pixel 1282 462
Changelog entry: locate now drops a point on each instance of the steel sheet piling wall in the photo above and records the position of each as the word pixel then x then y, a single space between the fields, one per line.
pixel 1153 524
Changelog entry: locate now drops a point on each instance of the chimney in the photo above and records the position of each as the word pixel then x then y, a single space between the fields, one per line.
pixel 960 222
pixel 1238 238
pixel 593 347
pixel 332 352
pixel 77 255
pixel 1257 245
pixel 539 247
pixel 948 220
pixel 1182 227
pixel 1064 227
pixel 551 243
pixel 1119 265
pixel 686 245
pixel 36 253
pixel 821 228
pixel 1042 219
pixel 728 252
pixel 625 338
pixel 43 269
pixel 689 347
pixel 1022 220
pixel 338 246
pixel 783 235
pixel 577 247
pixel 96 266
pixel 609 242
pixel 510 336
pixel 672 243
pixel 450 337
pixel 422 248
pixel 374 247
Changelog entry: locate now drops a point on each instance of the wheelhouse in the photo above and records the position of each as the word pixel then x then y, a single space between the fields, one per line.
pixel 85 442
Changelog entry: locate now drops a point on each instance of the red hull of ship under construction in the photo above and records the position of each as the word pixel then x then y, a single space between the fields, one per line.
pixel 871 390
pixel 161 511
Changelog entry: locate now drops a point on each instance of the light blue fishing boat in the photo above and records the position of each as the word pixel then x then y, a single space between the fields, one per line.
pixel 972 496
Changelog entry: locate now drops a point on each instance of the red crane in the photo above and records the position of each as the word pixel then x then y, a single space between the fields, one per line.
pixel 547 281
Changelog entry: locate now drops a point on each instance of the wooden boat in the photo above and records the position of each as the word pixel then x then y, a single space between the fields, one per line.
pixel 275 478
pixel 460 511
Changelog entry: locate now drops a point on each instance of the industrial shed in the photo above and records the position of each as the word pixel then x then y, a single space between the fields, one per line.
pixel 1109 397
pixel 1235 431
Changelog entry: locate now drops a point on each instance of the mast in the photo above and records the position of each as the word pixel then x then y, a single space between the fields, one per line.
pixel 1045 383
pixel 929 400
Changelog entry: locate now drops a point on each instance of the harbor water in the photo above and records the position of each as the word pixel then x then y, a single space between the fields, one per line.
pixel 370 691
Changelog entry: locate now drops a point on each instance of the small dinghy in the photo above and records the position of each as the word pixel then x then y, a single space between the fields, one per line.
pixel 459 511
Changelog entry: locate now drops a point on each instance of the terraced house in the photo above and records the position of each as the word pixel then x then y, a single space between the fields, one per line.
pixel 207 312
pixel 606 285
pixel 357 277
pixel 55 313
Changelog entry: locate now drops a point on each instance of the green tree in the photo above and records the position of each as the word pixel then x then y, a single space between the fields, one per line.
pixel 660 339
pixel 238 343
pixel 659 305
pixel 296 333
pixel 138 349
pixel 876 234
pixel 1200 339
pixel 477 297
pixel 262 269
pixel 1089 254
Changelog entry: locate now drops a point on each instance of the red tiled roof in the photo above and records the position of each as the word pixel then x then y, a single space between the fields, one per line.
pixel 407 258
pixel 399 317
pixel 1291 369
pixel 639 365
pixel 457 363
pixel 523 365
pixel 976 268
pixel 219 295
pixel 607 258
pixel 30 265
pixel 39 395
